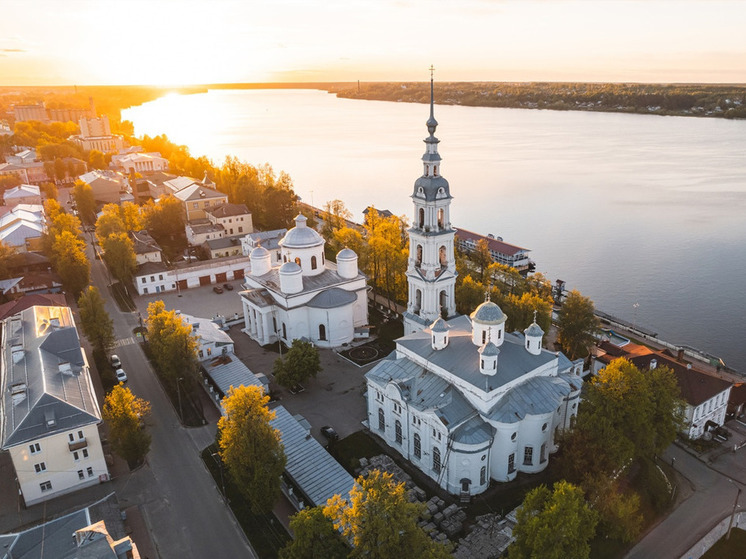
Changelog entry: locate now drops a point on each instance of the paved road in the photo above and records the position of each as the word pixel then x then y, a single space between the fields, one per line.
pixel 181 504
pixel 711 501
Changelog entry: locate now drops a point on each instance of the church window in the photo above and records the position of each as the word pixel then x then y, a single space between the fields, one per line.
pixel 484 337
pixel 397 432
pixel 323 261
pixel 322 332
pixel 483 476
pixel 419 255
pixel 528 344
pixel 297 260
pixel 274 324
pixel 284 258
pixel 417 446
pixel 544 427
pixel 441 214
pixel 284 332
pixel 481 363
pixel 422 218
pixel 513 436
pixel 313 263
pixel 418 301
pixel 381 420
pixel 528 456
pixel 499 334
pixel 435 170
pixel 543 453
pixel 443 258
pixel 436 460
pixel 511 463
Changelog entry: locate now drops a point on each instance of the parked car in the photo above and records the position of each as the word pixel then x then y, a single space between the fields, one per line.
pixel 115 362
pixel 217 289
pixel 121 375
pixel 228 286
pixel 329 433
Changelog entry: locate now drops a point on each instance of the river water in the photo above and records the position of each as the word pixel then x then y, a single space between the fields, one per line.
pixel 644 214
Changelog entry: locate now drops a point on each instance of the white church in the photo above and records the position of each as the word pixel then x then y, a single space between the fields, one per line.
pixel 460 398
pixel 304 296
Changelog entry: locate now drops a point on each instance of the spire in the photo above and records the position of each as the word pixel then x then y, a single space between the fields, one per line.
pixel 432 124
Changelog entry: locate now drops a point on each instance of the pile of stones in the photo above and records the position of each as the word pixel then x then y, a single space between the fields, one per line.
pixel 489 538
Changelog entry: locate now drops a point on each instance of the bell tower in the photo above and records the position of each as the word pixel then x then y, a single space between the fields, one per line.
pixel 431 270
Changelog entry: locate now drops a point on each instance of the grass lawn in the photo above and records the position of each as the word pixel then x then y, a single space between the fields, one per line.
pixel 734 548
pixel 266 534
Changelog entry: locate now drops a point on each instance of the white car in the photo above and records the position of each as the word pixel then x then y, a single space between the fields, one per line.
pixel 121 375
pixel 115 362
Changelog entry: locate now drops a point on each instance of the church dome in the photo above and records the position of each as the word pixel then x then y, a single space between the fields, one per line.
pixel 289 268
pixel 431 188
pixel 488 313
pixel 301 236
pixel 439 325
pixel 489 350
pixel 534 330
pixel 259 252
pixel 346 254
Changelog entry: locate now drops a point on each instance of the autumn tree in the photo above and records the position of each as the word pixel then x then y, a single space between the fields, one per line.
pixel 577 324
pixel 171 344
pixel 554 524
pixel 85 202
pixel 165 222
pixel 71 262
pixel 97 325
pixel 335 217
pixel 481 258
pixel 109 222
pixel 125 415
pixel 119 255
pixel 299 364
pixel 97 159
pixel 388 253
pixel 347 237
pixel 250 447
pixel 9 258
pixel 314 537
pixel 619 515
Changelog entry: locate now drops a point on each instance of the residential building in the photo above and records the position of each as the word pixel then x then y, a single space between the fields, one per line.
pixel 270 240
pixel 28 301
pixel 50 414
pixel 220 248
pixel 235 218
pixel 23 226
pixel 155 277
pixel 107 186
pixel 156 182
pixel 22 194
pixel 197 198
pixel 199 231
pixel 95 133
pixel 139 162
pixel 146 249
pixel 500 251
pixel 305 297
pixel 36 111
pixel 211 340
pixel 460 398
pixel 28 173
pixel 22 157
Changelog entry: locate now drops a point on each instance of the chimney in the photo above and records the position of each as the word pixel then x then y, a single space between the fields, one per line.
pixel 680 355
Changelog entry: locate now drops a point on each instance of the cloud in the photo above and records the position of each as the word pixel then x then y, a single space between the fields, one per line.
pixel 13 50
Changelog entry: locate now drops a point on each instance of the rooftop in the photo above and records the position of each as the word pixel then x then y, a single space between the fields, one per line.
pixel 494 245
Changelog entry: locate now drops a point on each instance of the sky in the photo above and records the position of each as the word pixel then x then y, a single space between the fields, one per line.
pixel 168 42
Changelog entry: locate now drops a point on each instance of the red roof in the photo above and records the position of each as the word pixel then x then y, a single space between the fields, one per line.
pixel 494 245
pixel 28 301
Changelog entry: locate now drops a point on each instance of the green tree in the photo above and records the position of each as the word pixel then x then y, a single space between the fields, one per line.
pixel 119 255
pixel 380 522
pixel 95 321
pixel 250 447
pixel 577 324
pixel 125 414
pixel 618 510
pixel 314 537
pixel 71 262
pixel 481 258
pixel 553 524
pixel 165 222
pixel 84 200
pixel 299 364
pixel 171 344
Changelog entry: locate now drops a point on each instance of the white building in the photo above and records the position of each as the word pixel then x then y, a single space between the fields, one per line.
pixel 463 400
pixel 22 194
pixel 50 415
pixel 146 249
pixel 156 277
pixel 95 133
pixel 305 297
pixel 23 226
pixel 270 240
pixel 139 162
pixel 211 340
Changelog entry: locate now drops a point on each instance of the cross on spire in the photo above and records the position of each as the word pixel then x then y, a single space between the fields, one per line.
pixel 535 315
pixel 432 69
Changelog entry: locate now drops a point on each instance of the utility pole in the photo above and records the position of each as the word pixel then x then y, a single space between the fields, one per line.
pixel 178 391
pixel 733 514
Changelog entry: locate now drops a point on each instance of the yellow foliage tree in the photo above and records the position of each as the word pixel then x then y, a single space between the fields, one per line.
pixel 125 414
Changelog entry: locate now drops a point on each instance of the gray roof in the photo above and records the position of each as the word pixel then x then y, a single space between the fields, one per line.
pixel 534 330
pixel 206 329
pixel 430 187
pixel 289 267
pixel 461 357
pixel 327 278
pixel 535 396
pixel 228 370
pixel 316 473
pixel 439 325
pixel 227 210
pixel 201 226
pixel 269 239
pixel 332 298
pixel 474 432
pixel 150 268
pixel 301 236
pixel 143 242
pixel 488 313
pixel 46 400
pixel 260 297
pixel 259 252
pixel 346 254
pixel 225 242
pixel 489 349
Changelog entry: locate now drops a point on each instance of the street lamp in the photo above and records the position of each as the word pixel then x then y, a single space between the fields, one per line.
pixel 178 391
pixel 220 464
pixel 735 506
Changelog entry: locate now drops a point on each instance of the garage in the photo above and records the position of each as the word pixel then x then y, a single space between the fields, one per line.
pixel 221 278
pixel 238 274
pixel 182 284
pixel 204 280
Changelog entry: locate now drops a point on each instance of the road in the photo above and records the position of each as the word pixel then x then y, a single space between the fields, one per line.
pixel 712 500
pixel 180 501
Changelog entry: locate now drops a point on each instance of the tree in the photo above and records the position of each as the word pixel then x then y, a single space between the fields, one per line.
pixel 125 415
pixel 71 262
pixel 109 222
pixel 380 522
pixel 481 258
pixel 335 218
pixel 314 537
pixel 9 258
pixel 250 447
pixel 347 237
pixel 48 190
pixel 388 253
pixel 165 222
pixel 97 159
pixel 95 321
pixel 171 344
pixel 553 524
pixel 577 324
pixel 301 363
pixel 85 202
pixel 618 510
pixel 119 254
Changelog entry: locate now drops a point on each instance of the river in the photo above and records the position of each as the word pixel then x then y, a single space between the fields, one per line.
pixel 644 214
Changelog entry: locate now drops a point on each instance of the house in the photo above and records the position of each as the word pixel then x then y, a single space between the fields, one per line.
pixel 50 414
pixel 23 226
pixel 211 340
pixel 156 182
pixel 306 296
pixel 146 249
pixel 28 301
pixel 22 157
pixel 35 283
pixel 235 218
pixel 107 186
pixel 22 194
pixel 225 371
pixel 706 395
pixel 199 231
pixel 139 162
pixel 196 198
pixel 155 277
pixel 500 251
pixel 270 240
pixel 219 248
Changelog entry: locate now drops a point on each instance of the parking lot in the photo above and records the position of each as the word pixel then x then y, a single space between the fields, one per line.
pixel 197 301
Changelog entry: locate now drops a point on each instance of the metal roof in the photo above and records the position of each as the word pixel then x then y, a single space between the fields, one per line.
pixel 227 371
pixel 332 298
pixel 301 236
pixel 535 396
pixel 312 469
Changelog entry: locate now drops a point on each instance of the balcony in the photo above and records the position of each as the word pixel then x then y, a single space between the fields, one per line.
pixel 77 445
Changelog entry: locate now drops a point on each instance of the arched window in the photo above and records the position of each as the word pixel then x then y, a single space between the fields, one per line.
pixel 422 218
pixel 322 332
pixel 274 324
pixel 381 420
pixel 436 460
pixel 397 432
pixel 484 337
pixel 297 260
pixel 419 255
pixel 435 170
pixel 417 446
pixel 323 260
pixel 443 258
pixel 313 262
pixel 417 301
pixel 483 475
pixel 284 332
pixel 284 258
pixel 441 216
pixel 543 453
